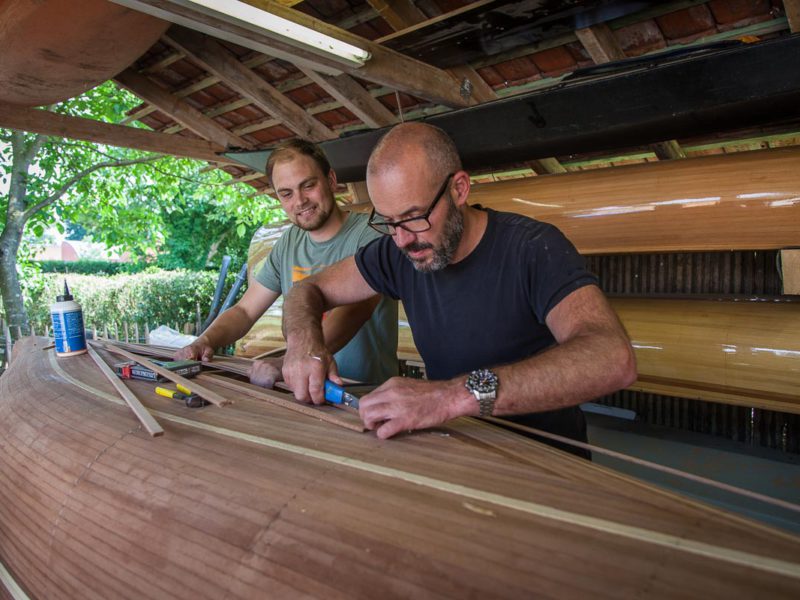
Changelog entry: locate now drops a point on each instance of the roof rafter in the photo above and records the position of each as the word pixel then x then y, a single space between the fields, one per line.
pixel 48 123
pixel 385 67
pixel 354 98
pixel 179 110
pixel 219 61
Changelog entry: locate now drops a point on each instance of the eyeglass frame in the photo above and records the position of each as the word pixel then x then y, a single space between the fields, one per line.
pixel 425 217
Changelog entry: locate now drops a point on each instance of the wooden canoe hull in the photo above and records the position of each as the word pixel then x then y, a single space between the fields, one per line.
pixel 748 200
pixel 53 50
pixel 745 353
pixel 253 501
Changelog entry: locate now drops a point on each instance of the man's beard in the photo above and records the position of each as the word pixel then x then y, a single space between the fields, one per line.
pixel 320 218
pixel 442 254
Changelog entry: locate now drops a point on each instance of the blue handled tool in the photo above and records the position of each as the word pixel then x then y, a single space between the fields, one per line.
pixel 335 394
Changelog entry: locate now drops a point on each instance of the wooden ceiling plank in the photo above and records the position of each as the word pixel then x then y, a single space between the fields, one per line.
pixel 190 89
pixel 162 64
pixel 179 110
pixel 354 98
pixel 547 166
pixel 399 14
pixel 53 124
pixel 792 8
pixel 480 90
pixel 668 150
pixel 601 43
pixel 223 64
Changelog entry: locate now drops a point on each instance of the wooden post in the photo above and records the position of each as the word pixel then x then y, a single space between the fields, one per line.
pixel 33 331
pixel 136 331
pixel 198 319
pixel 19 332
pixel 116 331
pixel 125 328
pixel 105 331
pixel 94 333
pixel 146 333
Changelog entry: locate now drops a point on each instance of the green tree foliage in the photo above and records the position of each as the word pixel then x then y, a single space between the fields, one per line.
pixel 124 198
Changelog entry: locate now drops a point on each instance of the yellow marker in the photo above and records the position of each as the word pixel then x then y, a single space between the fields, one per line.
pixel 183 389
pixel 167 393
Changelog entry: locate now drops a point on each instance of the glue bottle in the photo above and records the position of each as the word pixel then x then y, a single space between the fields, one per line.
pixel 67 317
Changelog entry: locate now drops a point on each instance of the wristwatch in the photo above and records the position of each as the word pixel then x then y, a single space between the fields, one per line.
pixel 483 384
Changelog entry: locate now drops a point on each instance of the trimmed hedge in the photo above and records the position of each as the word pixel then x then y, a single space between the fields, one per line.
pixel 90 267
pixel 157 298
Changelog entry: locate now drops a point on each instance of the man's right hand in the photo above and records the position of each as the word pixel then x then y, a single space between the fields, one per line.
pixel 197 350
pixel 305 371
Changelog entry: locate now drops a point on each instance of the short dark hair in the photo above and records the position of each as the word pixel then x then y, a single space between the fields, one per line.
pixel 285 150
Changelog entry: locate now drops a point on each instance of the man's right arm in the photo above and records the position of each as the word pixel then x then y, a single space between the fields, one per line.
pixel 308 362
pixel 232 324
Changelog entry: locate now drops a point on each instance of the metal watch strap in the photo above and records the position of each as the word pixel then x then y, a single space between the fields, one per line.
pixel 483 384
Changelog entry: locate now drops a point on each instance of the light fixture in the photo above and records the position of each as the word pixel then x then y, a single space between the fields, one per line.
pixel 283 28
pixel 195 14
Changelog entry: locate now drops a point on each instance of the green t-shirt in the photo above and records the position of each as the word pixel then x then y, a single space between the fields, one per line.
pixel 371 356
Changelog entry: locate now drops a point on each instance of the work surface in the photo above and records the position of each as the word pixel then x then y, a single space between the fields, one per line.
pixel 253 501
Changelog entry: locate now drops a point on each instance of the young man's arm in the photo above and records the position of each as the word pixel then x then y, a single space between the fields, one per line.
pixel 593 357
pixel 338 328
pixel 232 324
pixel 309 360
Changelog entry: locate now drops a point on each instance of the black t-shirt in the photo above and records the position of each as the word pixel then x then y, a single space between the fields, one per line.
pixel 488 309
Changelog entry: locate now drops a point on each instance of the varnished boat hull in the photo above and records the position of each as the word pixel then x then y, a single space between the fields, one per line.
pixel 745 352
pixel 748 200
pixel 252 501
pixel 54 50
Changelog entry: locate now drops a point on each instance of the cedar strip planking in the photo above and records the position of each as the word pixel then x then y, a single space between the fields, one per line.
pixel 553 452
pixel 326 529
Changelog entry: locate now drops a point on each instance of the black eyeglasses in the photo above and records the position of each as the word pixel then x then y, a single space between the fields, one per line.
pixel 412 224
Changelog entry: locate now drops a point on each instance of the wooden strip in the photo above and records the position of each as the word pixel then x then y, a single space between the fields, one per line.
pixel 270 353
pixel 11 585
pixel 145 418
pixel 207 394
pixel 646 463
pixel 278 400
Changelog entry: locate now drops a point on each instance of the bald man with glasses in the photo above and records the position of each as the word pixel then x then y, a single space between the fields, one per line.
pixel 503 312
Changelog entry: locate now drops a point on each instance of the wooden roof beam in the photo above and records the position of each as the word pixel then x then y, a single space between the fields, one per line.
pixel 385 67
pixel 354 98
pixel 219 61
pixel 792 8
pixel 399 14
pixel 179 110
pixel 54 124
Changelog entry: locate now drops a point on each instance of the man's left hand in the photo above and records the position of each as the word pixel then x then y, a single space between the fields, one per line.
pixel 266 372
pixel 403 404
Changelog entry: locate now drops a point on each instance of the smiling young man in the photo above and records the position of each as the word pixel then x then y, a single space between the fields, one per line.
pixel 363 336
pixel 503 312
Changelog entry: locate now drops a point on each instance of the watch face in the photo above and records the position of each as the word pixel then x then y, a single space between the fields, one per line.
pixel 482 381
